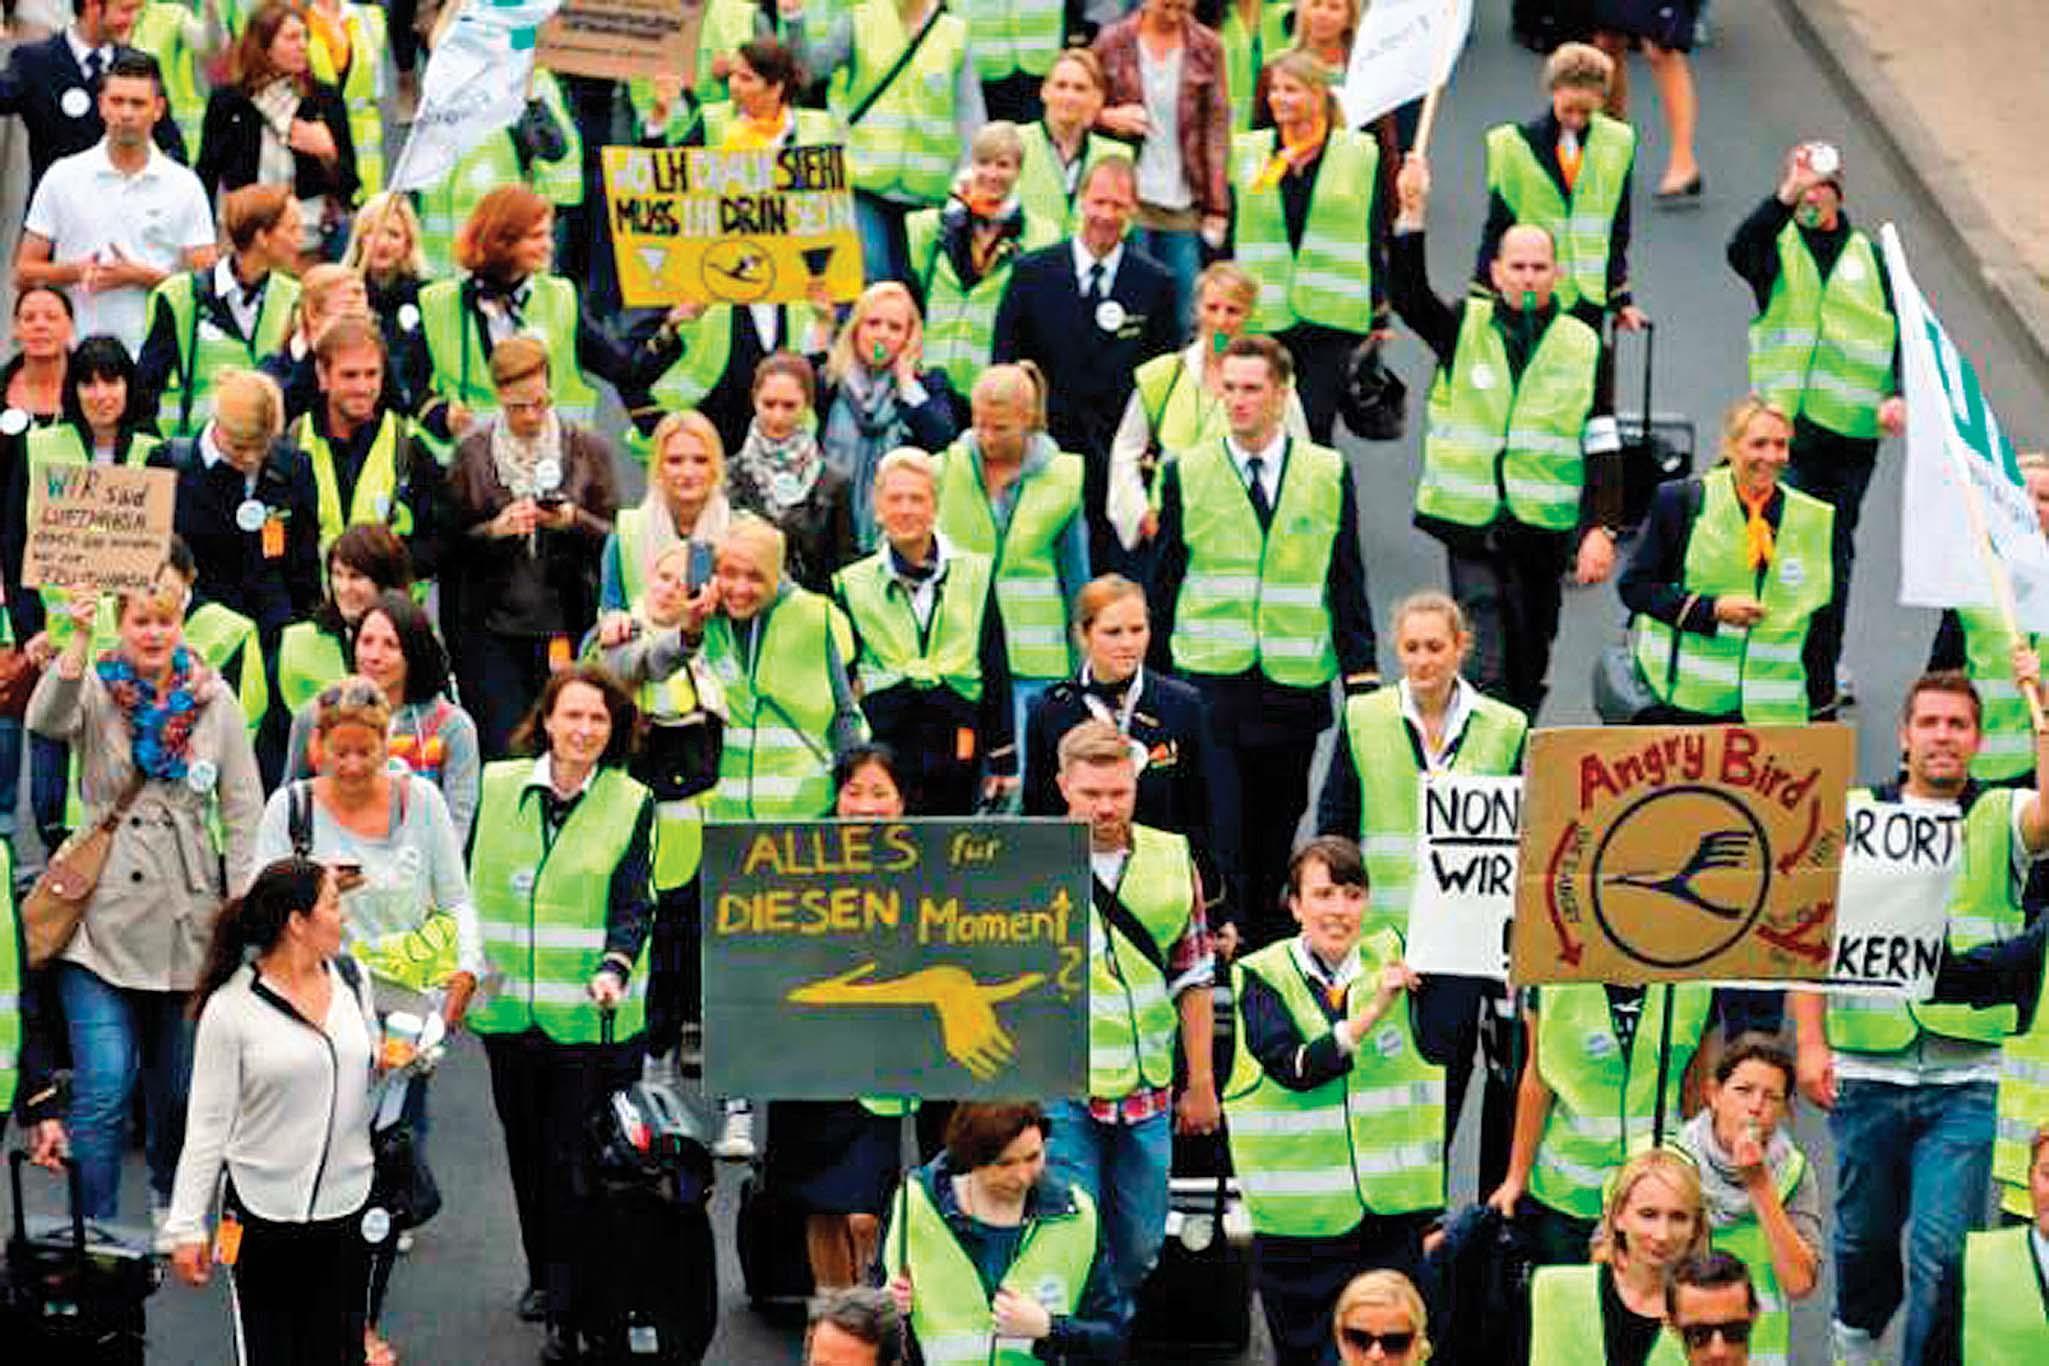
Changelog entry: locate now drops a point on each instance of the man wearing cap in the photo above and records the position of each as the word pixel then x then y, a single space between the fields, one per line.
pixel 1824 346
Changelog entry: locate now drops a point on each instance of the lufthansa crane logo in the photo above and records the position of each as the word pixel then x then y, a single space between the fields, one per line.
pixel 1676 914
pixel 738 271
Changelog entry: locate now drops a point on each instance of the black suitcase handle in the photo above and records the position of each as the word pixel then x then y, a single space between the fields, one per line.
pixel 16 1160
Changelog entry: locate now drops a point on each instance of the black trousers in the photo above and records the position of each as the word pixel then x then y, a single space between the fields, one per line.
pixel 1509 583
pixel 501 677
pixel 1837 470
pixel 675 989
pixel 301 1292
pixel 1323 357
pixel 544 1093
pixel 1299 1280
pixel 1273 777
pixel 1456 1017
pixel 1015 97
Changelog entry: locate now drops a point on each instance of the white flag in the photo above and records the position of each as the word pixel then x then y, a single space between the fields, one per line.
pixel 476 84
pixel 1405 48
pixel 1953 437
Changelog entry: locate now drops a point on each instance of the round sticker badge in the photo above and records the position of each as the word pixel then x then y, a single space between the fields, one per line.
pixel 13 421
pixel 548 475
pixel 376 1225
pixel 1110 315
pixel 1600 1045
pixel 201 775
pixel 409 317
pixel 250 514
pixel 1388 1042
pixel 1792 571
pixel 522 881
pixel 1483 375
pixel 75 102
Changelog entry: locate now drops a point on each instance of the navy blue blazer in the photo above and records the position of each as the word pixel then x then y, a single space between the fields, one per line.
pixel 33 85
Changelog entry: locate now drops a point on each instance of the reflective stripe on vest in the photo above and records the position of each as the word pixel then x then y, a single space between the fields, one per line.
pixel 1493 434
pixel 1758 672
pixel 906 146
pixel 1824 349
pixel 1582 231
pixel 542 903
pixel 364 25
pixel 960 320
pixel 2006 745
pixel 308 659
pixel 1390 785
pixel 945 653
pixel 1256 597
pixel 1370 1141
pixel 1984 907
pixel 1566 1323
pixel 1132 1020
pixel 1042 185
pixel 1328 278
pixel 447 204
pixel 2023 1105
pixel 1008 37
pixel 462 369
pixel 2006 1317
pixel 1603 1106
pixel 950 1317
pixel 204 350
pixel 1028 588
pixel 775 760
pixel 376 494
pixel 160 31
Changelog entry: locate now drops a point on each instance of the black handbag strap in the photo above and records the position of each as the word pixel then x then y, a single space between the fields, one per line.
pixel 299 824
pixel 1692 499
pixel 896 68
pixel 1118 917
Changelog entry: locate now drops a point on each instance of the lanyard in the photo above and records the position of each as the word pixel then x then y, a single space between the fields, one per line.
pixel 1121 718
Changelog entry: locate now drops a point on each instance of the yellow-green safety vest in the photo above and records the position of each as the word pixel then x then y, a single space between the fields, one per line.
pixel 1494 436
pixel 219 634
pixel 204 350
pixel 893 649
pixel 445 205
pixel 360 88
pixel 2006 734
pixel 1009 37
pixel 542 904
pixel 1604 1101
pixel 1042 180
pixel 776 756
pixel 462 368
pixel 905 147
pixel 951 1318
pixel 1132 1019
pixel 1247 50
pixel 1582 230
pixel 960 319
pixel 1258 597
pixel 1823 349
pixel 1182 414
pixel 1566 1327
pixel 308 660
pixel 707 346
pixel 1758 672
pixel 1327 278
pixel 1391 785
pixel 1313 1163
pixel 679 821
pixel 815 127
pixel 376 496
pixel 1984 908
pixel 1771 1332
pixel 160 30
pixel 2021 1108
pixel 1029 594
pixel 2006 1308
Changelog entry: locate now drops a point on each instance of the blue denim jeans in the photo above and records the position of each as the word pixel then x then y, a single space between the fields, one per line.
pixel 885 253
pixel 1023 693
pixel 1918 1159
pixel 1124 1166
pixel 118 1036
pixel 1181 254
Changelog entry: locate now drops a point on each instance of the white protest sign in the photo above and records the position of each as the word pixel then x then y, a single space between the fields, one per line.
pixel 1467 829
pixel 1893 910
pixel 1403 49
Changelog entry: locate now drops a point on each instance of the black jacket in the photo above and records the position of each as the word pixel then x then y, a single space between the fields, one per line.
pixel 231 139
pixel 271 590
pixel 37 78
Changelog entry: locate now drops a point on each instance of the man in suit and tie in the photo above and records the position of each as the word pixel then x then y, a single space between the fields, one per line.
pixel 1259 600
pixel 1088 311
pixel 54 85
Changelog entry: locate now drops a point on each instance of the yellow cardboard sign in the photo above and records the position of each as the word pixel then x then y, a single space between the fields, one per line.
pixel 718 225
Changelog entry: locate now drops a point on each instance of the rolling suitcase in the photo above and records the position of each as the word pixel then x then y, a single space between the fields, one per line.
pixel 1655 446
pixel 74 1293
pixel 1197 1303
pixel 775 1263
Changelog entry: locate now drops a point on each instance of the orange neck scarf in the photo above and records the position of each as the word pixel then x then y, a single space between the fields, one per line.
pixel 1757 532
pixel 1292 154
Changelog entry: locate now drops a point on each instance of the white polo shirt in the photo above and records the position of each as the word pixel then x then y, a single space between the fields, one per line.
pixel 84 206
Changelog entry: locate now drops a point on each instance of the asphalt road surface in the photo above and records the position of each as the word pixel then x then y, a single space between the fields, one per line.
pixel 1760 92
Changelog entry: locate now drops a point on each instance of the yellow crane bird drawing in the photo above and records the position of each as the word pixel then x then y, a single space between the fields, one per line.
pixel 968 1027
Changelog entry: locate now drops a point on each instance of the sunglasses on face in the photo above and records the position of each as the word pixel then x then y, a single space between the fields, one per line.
pixel 1392 1344
pixel 1735 1333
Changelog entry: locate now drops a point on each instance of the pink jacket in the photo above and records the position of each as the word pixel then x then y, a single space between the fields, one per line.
pixel 1205 110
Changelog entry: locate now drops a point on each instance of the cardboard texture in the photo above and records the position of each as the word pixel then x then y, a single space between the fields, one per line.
pixel 619 40
pixel 98 527
pixel 1680 853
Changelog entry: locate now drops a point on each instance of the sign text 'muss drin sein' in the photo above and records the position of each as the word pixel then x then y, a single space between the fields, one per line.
pixel 712 192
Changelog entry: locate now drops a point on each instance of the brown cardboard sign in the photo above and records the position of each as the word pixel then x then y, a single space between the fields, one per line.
pixel 103 528
pixel 618 40
pixel 1680 853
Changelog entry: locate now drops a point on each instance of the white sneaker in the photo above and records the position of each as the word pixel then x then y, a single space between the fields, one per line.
pixel 1854 1346
pixel 159 1216
pixel 405 1241
pixel 736 1138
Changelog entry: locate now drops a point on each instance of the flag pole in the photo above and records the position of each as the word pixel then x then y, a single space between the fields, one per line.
pixel 2002 586
pixel 1428 122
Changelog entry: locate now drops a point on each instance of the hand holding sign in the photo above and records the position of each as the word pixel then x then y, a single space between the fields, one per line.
pixel 973 1036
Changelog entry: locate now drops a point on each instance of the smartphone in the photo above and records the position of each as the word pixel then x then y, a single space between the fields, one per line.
pixel 703 561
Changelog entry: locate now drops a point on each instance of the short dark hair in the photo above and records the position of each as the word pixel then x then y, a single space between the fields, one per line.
pixel 531 737
pixel 978 1131
pixel 1258 347
pixel 1953 681
pixel 775 64
pixel 1756 1048
pixel 63 300
pixel 426 656
pixel 864 1313
pixel 1709 1270
pixel 373 550
pixel 134 64
pixel 1339 856
pixel 99 357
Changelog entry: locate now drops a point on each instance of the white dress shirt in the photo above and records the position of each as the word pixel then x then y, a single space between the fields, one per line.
pixel 1269 472
pixel 1083 261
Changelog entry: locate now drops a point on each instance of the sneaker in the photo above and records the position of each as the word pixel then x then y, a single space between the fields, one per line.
pixel 1846 687
pixel 736 1139
pixel 160 1242
pixel 405 1241
pixel 659 1069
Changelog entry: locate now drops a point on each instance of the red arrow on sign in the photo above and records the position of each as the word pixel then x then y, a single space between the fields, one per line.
pixel 1795 941
pixel 1806 841
pixel 1569 951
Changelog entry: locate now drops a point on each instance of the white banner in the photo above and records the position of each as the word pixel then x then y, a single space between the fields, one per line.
pixel 475 84
pixel 1464 893
pixel 1953 436
pixel 1404 48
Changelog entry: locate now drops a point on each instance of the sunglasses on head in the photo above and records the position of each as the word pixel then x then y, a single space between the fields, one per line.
pixel 1393 1344
pixel 1736 1332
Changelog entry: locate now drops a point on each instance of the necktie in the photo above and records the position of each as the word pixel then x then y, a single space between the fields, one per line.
pixel 1569 157
pixel 93 66
pixel 1094 294
pixel 1255 484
